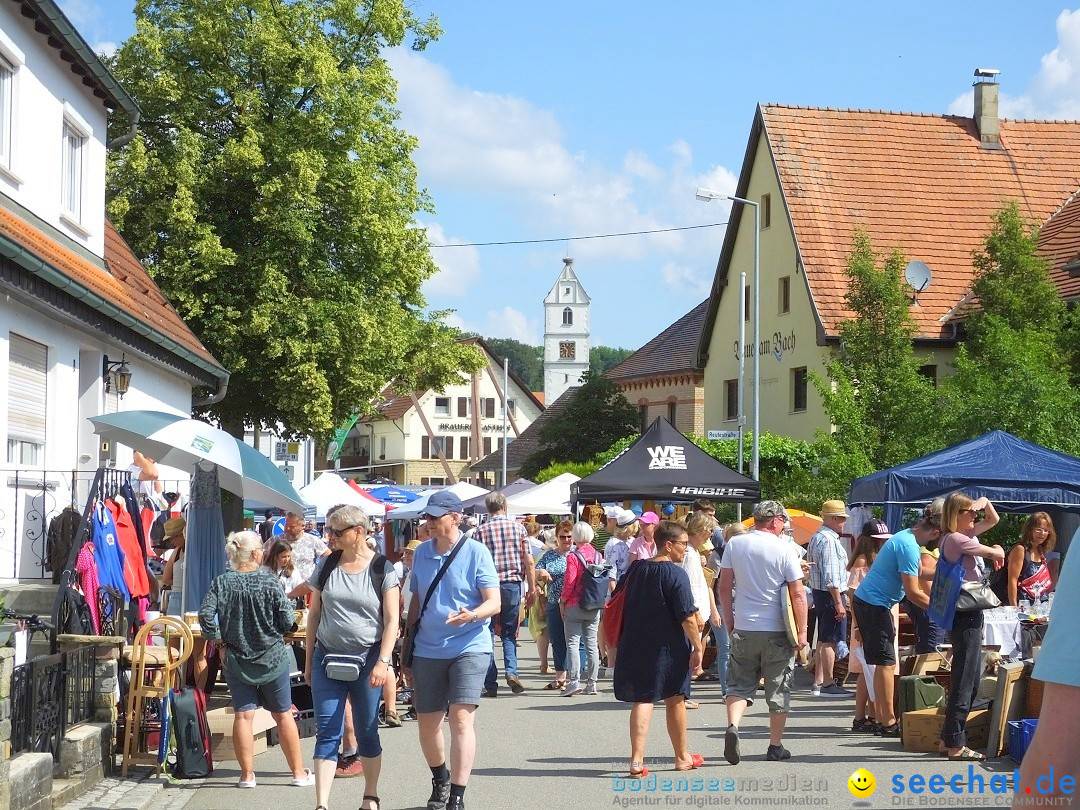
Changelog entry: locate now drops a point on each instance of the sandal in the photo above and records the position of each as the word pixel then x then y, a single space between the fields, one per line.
pixel 556 684
pixel 639 772
pixel 696 761
pixel 545 670
pixel 375 799
pixel 965 754
pixel 692 704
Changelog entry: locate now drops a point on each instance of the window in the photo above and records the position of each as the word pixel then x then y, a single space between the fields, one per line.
pixel 463 406
pixel 442 406
pixel 432 481
pixel 567 350
pixel 7 110
pixel 425 447
pixel 731 400
pixel 785 295
pixel 489 407
pixel 463 443
pixel 27 389
pixel 643 415
pixel 430 447
pixel 671 412
pixel 72 168
pixel 567 317
pixel 798 389
pixel 487 445
pixel 746 304
pixel 382 447
pixel 930 372
pixel 766 211
pixel 567 291
pixel 511 407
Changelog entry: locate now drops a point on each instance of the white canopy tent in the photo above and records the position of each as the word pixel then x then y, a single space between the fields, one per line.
pixel 329 490
pixel 550 498
pixel 462 489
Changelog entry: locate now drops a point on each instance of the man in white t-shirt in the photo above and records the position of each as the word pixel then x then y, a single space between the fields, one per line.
pixel 759 564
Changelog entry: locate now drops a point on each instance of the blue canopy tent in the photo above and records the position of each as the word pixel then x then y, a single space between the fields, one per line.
pixel 1017 476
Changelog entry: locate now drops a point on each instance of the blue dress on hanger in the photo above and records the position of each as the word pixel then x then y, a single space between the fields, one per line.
pixel 204 555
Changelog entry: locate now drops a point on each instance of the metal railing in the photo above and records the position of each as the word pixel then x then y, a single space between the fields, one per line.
pixel 49 694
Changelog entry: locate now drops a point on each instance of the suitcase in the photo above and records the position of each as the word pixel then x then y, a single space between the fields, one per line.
pixel 919 692
pixel 192 734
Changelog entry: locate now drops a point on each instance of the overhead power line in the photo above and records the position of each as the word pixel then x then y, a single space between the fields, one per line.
pixel 579 238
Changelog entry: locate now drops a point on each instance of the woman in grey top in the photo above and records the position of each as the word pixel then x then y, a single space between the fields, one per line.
pixel 351 632
pixel 247 612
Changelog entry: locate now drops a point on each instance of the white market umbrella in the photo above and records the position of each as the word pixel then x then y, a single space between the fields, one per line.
pixel 462 489
pixel 329 490
pixel 549 498
pixel 181 442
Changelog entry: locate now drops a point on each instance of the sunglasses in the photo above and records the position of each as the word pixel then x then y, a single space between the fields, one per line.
pixel 426 516
pixel 566 537
pixel 336 533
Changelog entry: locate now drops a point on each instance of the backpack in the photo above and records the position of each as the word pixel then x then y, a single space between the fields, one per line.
pixel 187 710
pixel 595 583
pixel 377 568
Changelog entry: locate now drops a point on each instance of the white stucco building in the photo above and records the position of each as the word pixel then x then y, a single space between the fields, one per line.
pixel 71 292
pixel 566 334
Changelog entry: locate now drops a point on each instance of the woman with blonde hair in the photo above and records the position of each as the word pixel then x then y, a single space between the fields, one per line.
pixel 960 544
pixel 351 632
pixel 698 530
pixel 246 611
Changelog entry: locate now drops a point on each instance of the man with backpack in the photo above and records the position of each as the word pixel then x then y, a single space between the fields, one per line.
pixel 508 543
pixel 586 586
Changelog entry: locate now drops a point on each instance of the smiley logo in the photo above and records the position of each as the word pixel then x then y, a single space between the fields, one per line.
pixel 862 784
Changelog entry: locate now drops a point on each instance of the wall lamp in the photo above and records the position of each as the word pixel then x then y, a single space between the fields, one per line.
pixel 116 372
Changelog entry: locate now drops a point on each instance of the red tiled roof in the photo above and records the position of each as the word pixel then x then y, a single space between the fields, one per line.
pixel 1059 243
pixel 125 284
pixel 671 351
pixel 922 183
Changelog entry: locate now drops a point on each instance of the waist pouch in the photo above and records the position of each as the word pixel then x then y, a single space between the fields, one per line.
pixel 343 667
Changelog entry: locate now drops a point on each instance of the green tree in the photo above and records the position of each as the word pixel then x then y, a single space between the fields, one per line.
pixel 271 194
pixel 1013 368
pixel 596 417
pixel 873 390
pixel 526 361
pixel 604 358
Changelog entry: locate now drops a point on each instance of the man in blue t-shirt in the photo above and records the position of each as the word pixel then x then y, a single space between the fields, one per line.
pixel 893 575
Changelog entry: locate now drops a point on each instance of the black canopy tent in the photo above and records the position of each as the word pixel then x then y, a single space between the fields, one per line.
pixel 663 465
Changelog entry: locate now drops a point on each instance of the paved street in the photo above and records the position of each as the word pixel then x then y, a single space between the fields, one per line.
pixel 541 750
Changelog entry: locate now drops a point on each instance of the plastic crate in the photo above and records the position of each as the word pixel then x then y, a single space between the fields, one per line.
pixel 1020 734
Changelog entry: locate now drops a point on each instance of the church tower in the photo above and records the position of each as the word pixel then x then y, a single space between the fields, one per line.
pixel 566 334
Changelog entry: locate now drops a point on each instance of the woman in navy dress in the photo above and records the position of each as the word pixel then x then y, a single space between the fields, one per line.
pixel 659 646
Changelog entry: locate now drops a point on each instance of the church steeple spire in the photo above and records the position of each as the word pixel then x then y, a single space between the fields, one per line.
pixel 566 334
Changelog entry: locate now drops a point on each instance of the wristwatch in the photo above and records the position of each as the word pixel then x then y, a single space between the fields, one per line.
pixel 384 660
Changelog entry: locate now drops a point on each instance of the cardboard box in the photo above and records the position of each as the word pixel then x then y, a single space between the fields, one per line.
pixel 222 746
pixel 922 729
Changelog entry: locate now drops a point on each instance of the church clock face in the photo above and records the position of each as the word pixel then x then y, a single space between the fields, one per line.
pixel 567 350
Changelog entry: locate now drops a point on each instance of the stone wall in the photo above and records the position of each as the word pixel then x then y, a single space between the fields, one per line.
pixel 7 667
pixel 106 709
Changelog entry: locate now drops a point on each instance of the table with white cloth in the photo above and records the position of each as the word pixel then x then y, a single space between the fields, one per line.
pixel 1001 627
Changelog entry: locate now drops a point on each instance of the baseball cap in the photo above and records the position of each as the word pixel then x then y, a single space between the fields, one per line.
pixel 442 502
pixel 413 545
pixel 834 509
pixel 769 509
pixel 625 517
pixel 649 517
pixel 876 528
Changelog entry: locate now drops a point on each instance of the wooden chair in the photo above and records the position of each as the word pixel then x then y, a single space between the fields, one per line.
pixel 154 671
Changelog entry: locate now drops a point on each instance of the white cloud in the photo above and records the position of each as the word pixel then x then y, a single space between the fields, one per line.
pixel 694 283
pixel 105 48
pixel 458 267
pixel 1054 93
pixel 512 323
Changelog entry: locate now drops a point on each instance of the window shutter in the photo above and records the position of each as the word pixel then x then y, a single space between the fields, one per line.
pixel 487 445
pixel 425 447
pixel 464 448
pixel 489 407
pixel 27 374
pixel 447 444
pixel 462 406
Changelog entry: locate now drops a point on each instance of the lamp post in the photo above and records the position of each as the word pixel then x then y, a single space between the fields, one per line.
pixel 707 195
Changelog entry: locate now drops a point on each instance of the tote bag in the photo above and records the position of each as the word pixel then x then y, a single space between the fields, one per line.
pixel 948 580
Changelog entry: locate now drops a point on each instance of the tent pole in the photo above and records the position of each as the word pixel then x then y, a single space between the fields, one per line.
pixel 742 380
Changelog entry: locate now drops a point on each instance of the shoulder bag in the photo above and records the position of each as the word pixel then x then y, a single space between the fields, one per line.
pixel 613 613
pixel 414 624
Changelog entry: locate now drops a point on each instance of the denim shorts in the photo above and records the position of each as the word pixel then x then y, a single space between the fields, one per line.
pixel 442 682
pixel 275 695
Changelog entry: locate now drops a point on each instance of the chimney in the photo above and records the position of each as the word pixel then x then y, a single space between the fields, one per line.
pixel 986 107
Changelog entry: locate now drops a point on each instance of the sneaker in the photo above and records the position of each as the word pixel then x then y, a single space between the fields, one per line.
pixel 731 745
pixel 836 691
pixel 348 767
pixel 411 713
pixel 572 688
pixel 440 794
pixel 515 684
pixel 246 783
pixel 456 803
pixel 777 753
pixel 815 690
pixel 306 780
pixel 590 688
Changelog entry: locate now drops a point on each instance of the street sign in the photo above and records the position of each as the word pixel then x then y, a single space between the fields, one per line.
pixel 286 451
pixel 721 435
pixel 288 472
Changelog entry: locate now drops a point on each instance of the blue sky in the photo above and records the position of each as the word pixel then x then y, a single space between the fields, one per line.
pixel 561 119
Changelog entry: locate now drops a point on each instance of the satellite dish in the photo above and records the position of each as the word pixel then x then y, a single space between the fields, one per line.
pixel 917 275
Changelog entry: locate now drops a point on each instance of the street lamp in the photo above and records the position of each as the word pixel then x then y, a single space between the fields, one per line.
pixel 707 195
